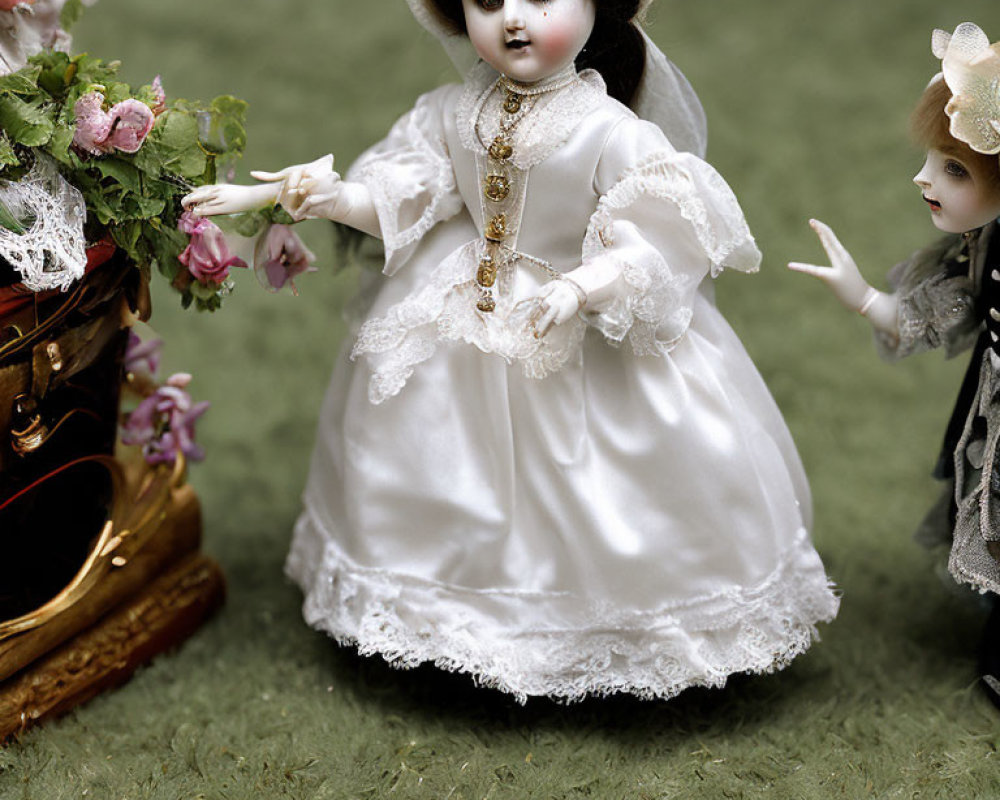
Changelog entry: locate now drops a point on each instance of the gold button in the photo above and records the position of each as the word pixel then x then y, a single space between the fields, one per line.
pixel 486 304
pixel 496 231
pixel 496 188
pixel 486 275
pixel 512 104
pixel 500 150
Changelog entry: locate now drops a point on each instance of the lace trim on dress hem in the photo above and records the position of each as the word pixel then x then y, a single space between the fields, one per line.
pixel 651 654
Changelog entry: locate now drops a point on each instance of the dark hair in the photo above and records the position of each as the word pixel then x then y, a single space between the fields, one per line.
pixel 931 128
pixel 615 48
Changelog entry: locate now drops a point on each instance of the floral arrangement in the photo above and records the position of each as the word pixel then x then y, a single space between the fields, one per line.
pixel 132 155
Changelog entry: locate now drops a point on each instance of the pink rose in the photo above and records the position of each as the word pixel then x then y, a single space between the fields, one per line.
pixel 280 256
pixel 93 124
pixel 124 127
pixel 207 256
pixel 131 122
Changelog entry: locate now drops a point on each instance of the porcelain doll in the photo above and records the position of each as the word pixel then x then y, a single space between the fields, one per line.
pixel 949 295
pixel 549 462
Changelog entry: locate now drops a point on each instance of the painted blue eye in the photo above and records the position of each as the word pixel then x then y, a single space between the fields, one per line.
pixel 491 5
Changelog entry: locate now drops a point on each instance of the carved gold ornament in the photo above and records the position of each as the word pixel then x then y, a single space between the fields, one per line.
pixel 137 509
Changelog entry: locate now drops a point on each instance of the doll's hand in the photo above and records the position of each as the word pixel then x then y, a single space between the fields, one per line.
pixel 842 276
pixel 559 300
pixel 226 198
pixel 307 191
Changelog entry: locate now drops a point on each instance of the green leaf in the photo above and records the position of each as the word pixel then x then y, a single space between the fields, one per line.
pixel 8 158
pixel 127 235
pixel 59 146
pixel 9 221
pixel 70 14
pixel 121 171
pixel 246 225
pixel 24 81
pixel 203 292
pixel 116 92
pixel 138 207
pixel 29 124
pixel 176 141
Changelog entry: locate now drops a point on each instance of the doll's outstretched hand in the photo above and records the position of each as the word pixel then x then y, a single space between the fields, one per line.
pixel 303 188
pixel 842 276
pixel 848 285
pixel 228 198
pixel 315 191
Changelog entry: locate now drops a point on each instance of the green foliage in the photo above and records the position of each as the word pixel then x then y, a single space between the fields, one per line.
pixel 134 198
pixel 70 14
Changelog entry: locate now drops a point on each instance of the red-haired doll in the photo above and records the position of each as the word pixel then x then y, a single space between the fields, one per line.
pixel 949 295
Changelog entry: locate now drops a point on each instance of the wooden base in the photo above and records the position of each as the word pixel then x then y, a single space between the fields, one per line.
pixel 151 605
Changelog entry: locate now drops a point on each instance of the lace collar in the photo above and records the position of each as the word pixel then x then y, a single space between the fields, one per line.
pixel 543 130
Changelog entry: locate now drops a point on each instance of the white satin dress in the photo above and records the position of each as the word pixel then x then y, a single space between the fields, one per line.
pixel 617 507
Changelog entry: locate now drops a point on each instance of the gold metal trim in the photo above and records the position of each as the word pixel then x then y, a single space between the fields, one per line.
pixel 137 509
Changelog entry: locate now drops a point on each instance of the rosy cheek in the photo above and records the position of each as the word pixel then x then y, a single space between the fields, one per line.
pixel 560 39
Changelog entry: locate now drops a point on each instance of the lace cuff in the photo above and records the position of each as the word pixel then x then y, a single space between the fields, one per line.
pixel 936 304
pixel 411 180
pixel 668 221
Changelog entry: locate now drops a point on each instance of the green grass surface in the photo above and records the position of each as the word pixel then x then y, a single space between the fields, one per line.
pixel 807 103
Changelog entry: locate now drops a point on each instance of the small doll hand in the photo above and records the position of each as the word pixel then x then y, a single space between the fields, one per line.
pixel 307 191
pixel 225 198
pixel 558 300
pixel 842 276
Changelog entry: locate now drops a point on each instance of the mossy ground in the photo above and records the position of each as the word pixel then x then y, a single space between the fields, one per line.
pixel 807 104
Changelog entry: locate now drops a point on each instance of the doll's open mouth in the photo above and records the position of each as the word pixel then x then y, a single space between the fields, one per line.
pixel 517 44
pixel 934 204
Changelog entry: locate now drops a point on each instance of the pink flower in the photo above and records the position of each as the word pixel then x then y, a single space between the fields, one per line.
pixel 10 5
pixel 131 122
pixel 160 95
pixel 93 124
pixel 124 127
pixel 280 256
pixel 207 256
pixel 142 356
pixel 163 423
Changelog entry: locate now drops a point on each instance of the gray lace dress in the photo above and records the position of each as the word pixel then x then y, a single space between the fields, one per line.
pixel 949 296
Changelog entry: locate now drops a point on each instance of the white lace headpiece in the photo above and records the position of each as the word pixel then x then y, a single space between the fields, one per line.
pixel 664 96
pixel 971 68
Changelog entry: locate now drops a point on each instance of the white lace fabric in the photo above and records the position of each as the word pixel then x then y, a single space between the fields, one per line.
pixel 411 180
pixel 654 307
pixel 581 648
pixel 544 130
pixel 51 253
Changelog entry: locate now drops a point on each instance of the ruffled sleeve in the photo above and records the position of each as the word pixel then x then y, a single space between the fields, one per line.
pixel 936 302
pixel 410 177
pixel 665 220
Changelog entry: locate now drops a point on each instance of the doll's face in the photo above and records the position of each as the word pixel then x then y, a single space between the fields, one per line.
pixel 529 40
pixel 959 199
